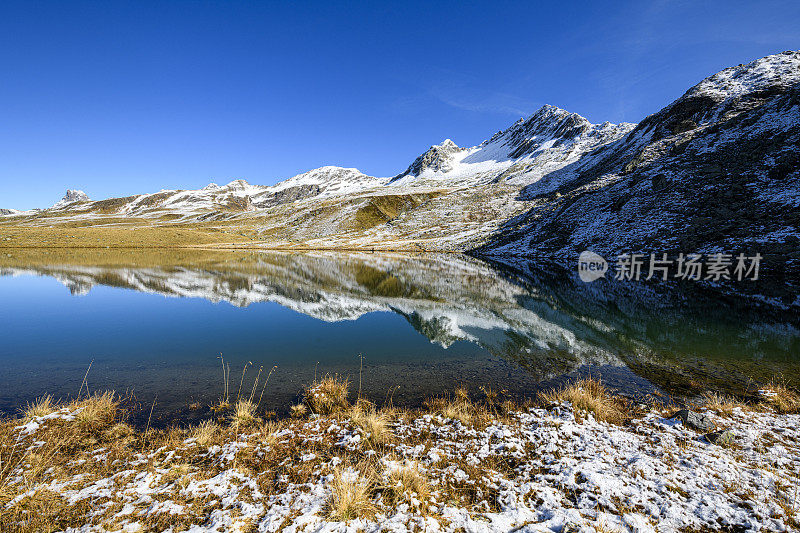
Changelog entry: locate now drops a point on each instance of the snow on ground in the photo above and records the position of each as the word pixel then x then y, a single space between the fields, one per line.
pixel 531 470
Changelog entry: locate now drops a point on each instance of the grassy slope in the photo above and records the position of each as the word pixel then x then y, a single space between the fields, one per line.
pixel 123 234
pixel 436 220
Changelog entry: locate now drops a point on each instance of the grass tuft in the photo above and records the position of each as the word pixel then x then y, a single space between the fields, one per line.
pixel 589 395
pixel 374 423
pixel 406 484
pixel 350 494
pixel 328 395
pixel 721 404
pixel 98 411
pixel 205 432
pixel 244 413
pixel 119 432
pixel 781 397
pixel 298 411
pixel 41 407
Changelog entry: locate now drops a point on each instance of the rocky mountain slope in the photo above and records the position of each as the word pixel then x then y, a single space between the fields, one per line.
pixel 530 148
pixel 716 170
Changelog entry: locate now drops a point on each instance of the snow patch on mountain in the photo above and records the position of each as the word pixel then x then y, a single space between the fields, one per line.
pixel 332 181
pixel 532 147
pixel 778 70
pixel 71 196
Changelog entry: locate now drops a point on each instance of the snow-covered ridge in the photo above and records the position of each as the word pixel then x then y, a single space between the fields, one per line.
pixel 633 172
pixel 547 140
pixel 236 196
pixel 530 148
pixel 334 180
pixel 715 170
pixel 776 70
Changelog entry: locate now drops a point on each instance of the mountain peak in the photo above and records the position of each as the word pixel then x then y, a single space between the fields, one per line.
pixel 436 158
pixel 331 180
pixel 70 197
pixel 237 184
pixel 75 195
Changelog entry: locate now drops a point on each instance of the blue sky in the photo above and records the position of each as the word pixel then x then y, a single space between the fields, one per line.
pixel 118 98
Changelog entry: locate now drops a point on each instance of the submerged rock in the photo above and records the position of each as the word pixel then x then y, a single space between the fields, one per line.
pixel 697 421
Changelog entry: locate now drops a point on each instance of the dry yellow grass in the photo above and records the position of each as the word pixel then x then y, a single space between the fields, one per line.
pixel 374 423
pixel 351 490
pixel 721 404
pixel 781 397
pixel 97 411
pixel 205 432
pixel 273 454
pixel 589 395
pixel 298 411
pixel 327 395
pixel 407 483
pixel 119 431
pixel 41 407
pixel 244 413
pixel 125 233
pixel 458 410
pixel 461 408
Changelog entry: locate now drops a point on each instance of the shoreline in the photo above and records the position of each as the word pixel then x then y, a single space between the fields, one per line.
pixel 577 457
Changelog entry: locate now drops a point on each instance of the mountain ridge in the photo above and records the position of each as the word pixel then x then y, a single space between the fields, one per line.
pixel 718 169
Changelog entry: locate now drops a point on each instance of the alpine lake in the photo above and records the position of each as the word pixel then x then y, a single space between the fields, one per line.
pixel 167 328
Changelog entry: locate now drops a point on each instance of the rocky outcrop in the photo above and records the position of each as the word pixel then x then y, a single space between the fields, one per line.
pixel 72 196
pixel 290 194
pixel 437 158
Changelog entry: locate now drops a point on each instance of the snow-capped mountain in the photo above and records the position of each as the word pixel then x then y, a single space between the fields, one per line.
pixel 530 148
pixel 716 170
pixel 332 181
pixel 72 196
pixel 549 139
pixel 234 197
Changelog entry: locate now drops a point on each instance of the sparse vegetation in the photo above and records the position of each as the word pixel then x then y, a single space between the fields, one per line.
pixel 589 395
pixel 244 413
pixel 298 410
pixel 70 461
pixel 327 395
pixel 41 407
pixel 781 397
pixel 97 411
pixel 205 432
pixel 720 403
pixel 374 423
pixel 407 483
pixel 351 493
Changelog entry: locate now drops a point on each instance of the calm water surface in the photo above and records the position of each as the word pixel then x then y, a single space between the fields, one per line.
pixel 154 325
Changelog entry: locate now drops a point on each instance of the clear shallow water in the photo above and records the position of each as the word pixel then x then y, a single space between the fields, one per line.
pixel 155 323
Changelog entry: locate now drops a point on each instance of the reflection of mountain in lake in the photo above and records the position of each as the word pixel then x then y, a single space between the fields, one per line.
pixel 548 322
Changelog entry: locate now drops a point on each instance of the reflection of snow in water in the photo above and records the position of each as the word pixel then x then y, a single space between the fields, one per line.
pixel 548 325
